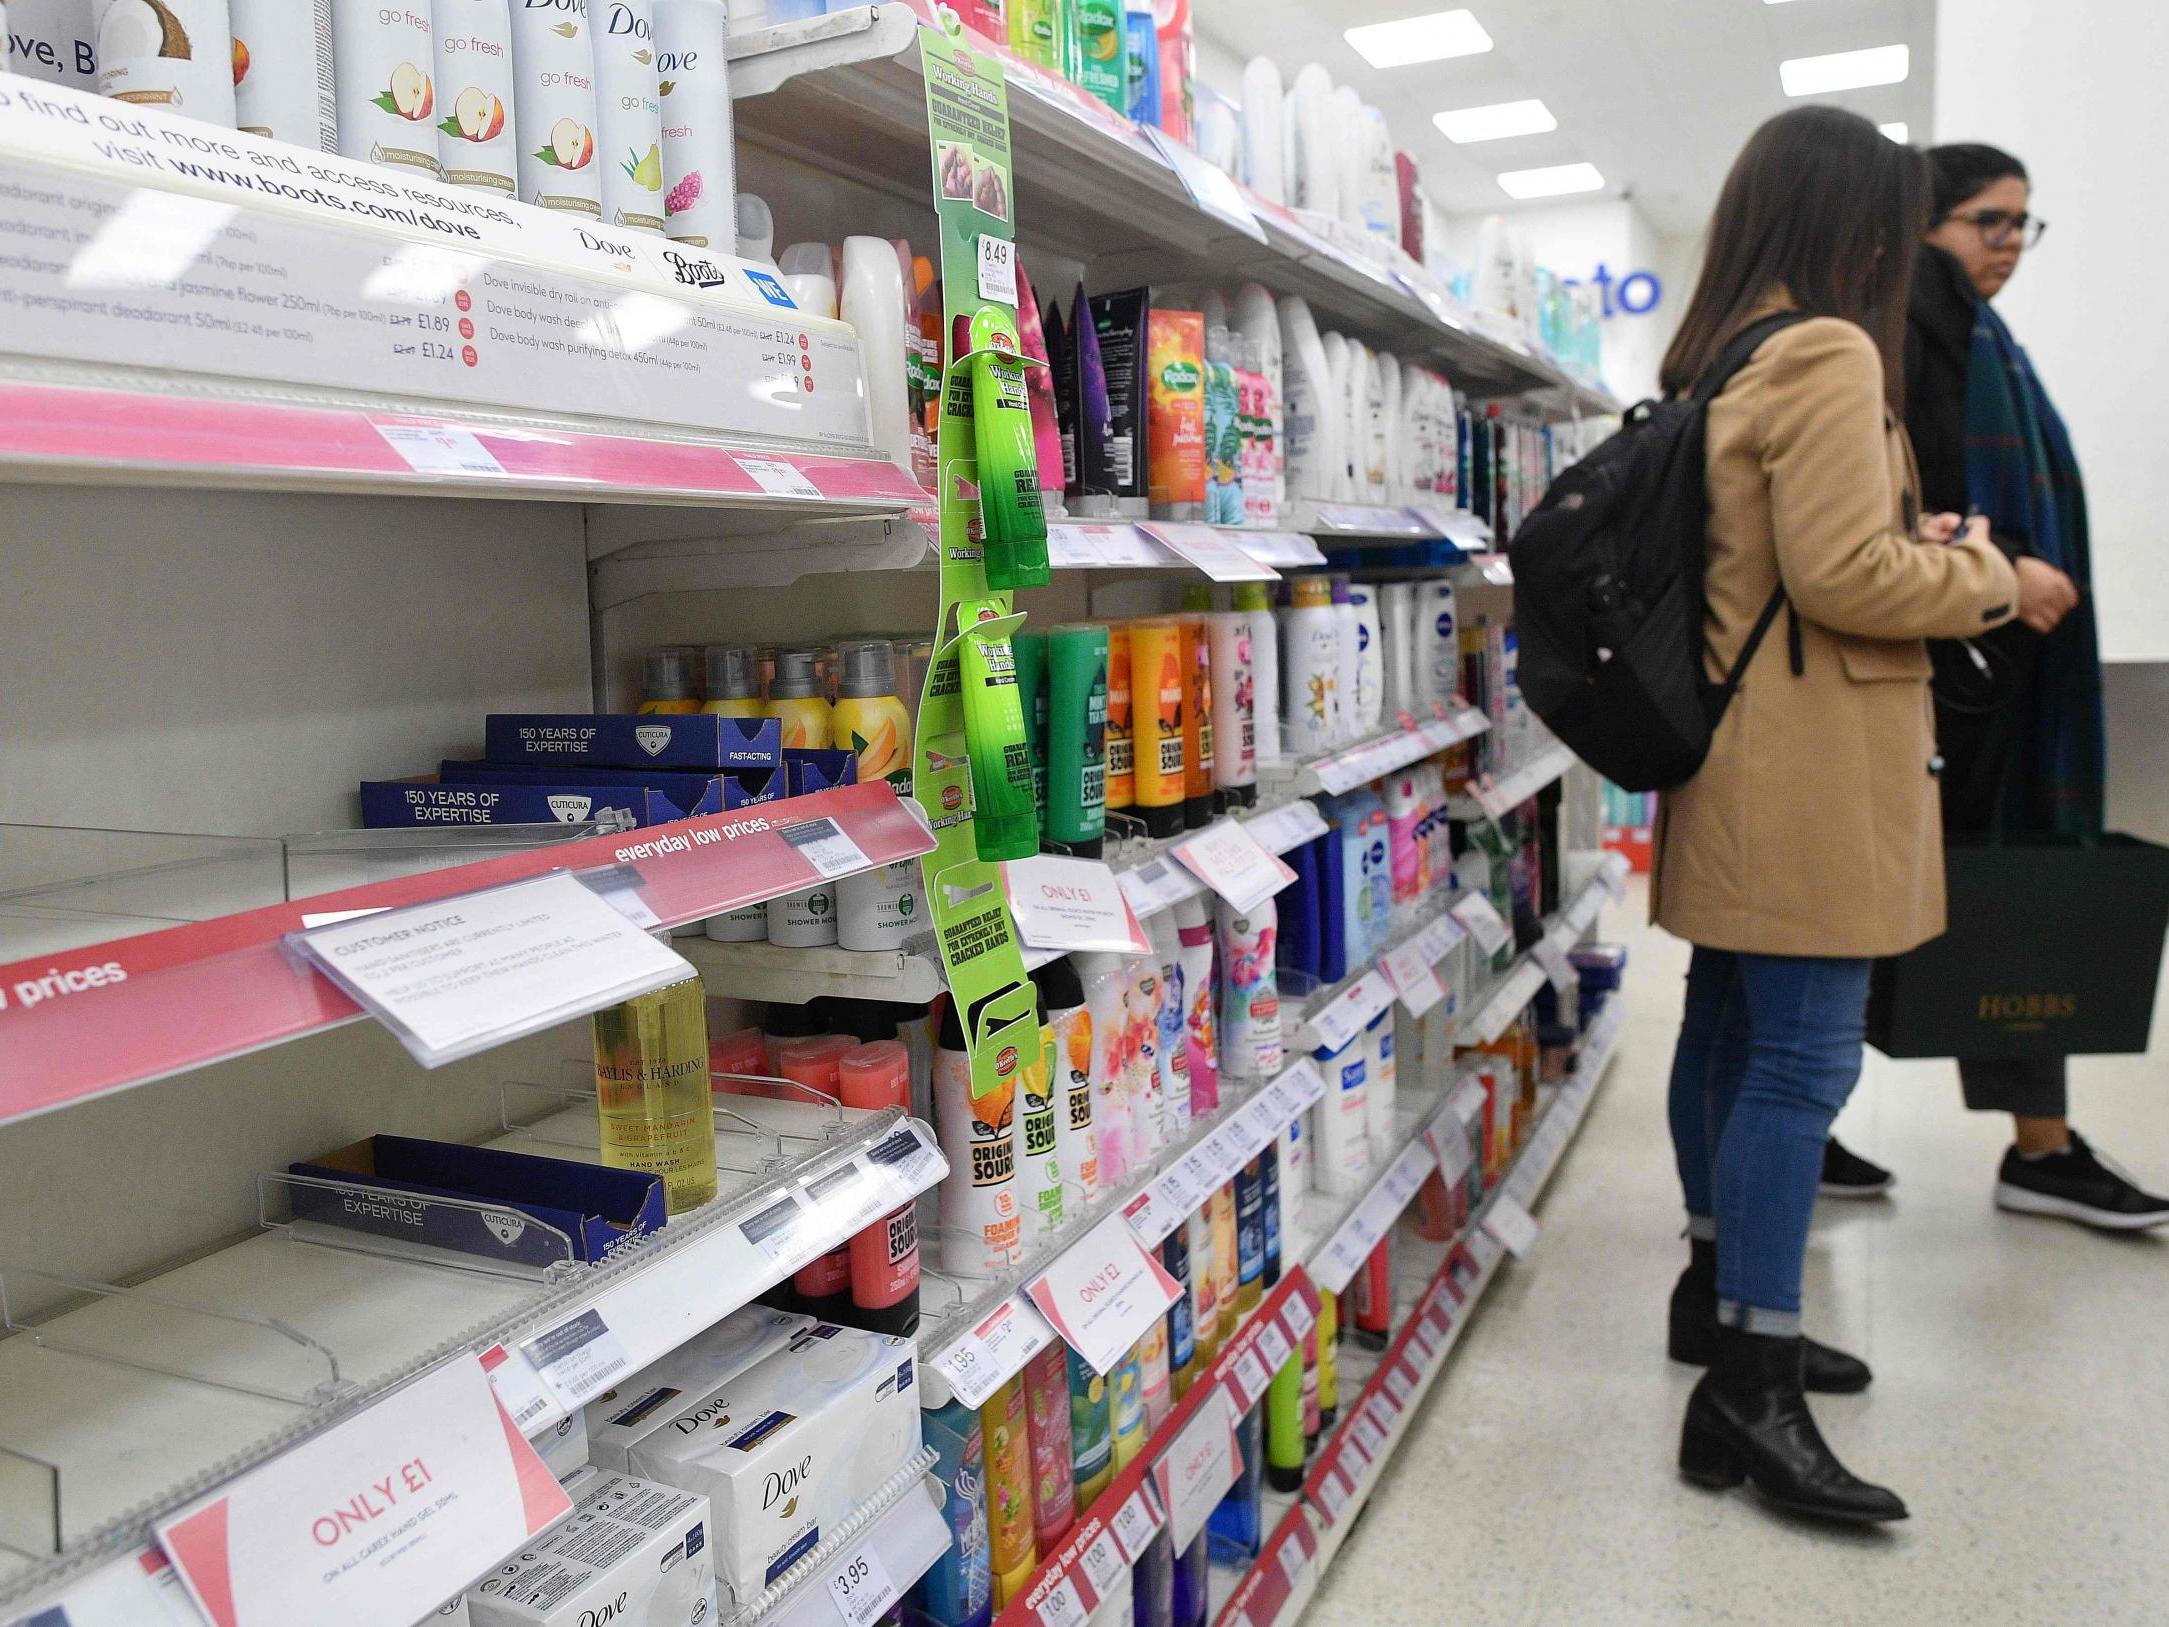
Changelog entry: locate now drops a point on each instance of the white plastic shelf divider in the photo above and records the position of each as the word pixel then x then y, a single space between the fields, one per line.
pixel 843 93
pixel 1516 786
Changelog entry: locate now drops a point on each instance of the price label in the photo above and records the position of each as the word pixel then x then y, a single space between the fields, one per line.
pixel 1356 1454
pixel 1103 1562
pixel 1137 1523
pixel 1439 938
pixel 997 270
pixel 440 449
pixel 1251 1378
pixel 1273 1345
pixel 1280 547
pixel 1424 1342
pixel 1307 1082
pixel 1228 859
pixel 1333 1495
pixel 1440 733
pixel 861 1588
pixel 1062 1607
pixel 1211 188
pixel 1450 1143
pixel 1368 1437
pixel 1409 970
pixel 578 1359
pixel 1474 911
pixel 1352 1010
pixel 1103 1293
pixel 1287 827
pixel 1084 547
pixel 1555 963
pixel 1069 904
pixel 1468 1100
pixel 987 1357
pixel 1511 1224
pixel 822 844
pixel 1400 1384
pixel 1297 1314
pixel 1212 551
pixel 1156 884
pixel 777 476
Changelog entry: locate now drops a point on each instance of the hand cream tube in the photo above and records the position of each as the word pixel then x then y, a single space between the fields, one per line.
pixel 1010 506
pixel 1005 823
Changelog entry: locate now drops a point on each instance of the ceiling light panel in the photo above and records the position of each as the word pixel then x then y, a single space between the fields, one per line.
pixel 1844 70
pixel 1553 181
pixel 1495 122
pixel 1431 37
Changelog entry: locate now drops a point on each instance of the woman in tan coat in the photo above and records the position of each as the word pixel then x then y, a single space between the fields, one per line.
pixel 1809 840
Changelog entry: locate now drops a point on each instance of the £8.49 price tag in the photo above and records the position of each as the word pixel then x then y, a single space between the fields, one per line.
pixel 861 1588
pixel 997 270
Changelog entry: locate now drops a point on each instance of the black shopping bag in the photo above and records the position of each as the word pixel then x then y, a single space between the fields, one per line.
pixel 2054 949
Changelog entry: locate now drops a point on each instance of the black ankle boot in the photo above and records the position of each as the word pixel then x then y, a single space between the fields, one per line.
pixel 1692 1334
pixel 1748 1420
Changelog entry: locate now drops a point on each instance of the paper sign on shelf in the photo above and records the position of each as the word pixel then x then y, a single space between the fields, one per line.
pixel 987 1357
pixel 1086 547
pixel 1351 1011
pixel 1228 859
pixel 1210 187
pixel 578 1358
pixel 1158 883
pixel 1511 1224
pixel 459 975
pixel 1212 551
pixel 860 1587
pixel 1138 1521
pixel 1069 904
pixel 1287 827
pixel 1199 1466
pixel 1103 1293
pixel 1553 959
pixel 1280 547
pixel 1410 971
pixel 380 1518
pixel 779 477
pixel 1475 912
pixel 441 449
pixel 1437 939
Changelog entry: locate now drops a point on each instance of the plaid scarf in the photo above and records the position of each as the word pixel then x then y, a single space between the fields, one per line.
pixel 2021 473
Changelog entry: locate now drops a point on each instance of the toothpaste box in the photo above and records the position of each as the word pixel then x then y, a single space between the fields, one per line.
pixel 632 1554
pixel 658 1395
pixel 396 804
pixel 696 740
pixel 789 1448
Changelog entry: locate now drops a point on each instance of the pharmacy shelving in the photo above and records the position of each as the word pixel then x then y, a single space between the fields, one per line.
pixel 843 95
pixel 1549 763
pixel 1486 1010
pixel 1409 741
pixel 1381 1398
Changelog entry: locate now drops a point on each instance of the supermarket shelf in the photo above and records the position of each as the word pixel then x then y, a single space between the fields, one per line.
pixel 1085 544
pixel 990 1332
pixel 844 94
pixel 1487 1011
pixel 217 988
pixel 248 1351
pixel 1347 767
pixel 1425 936
pixel 902 1529
pixel 1510 790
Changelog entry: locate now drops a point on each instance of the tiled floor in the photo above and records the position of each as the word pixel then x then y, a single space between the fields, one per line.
pixel 2021 1401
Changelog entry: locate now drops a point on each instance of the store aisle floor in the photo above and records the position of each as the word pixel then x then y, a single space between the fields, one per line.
pixel 2021 1400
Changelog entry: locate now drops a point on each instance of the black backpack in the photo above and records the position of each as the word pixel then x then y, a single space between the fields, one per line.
pixel 1608 604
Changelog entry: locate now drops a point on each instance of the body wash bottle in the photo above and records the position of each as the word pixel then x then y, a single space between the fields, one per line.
pixel 980 1229
pixel 1076 812
pixel 553 66
pixel 477 138
pixel 652 1092
pixel 386 74
pixel 796 701
pixel 1076 1138
pixel 1250 1009
pixel 282 73
pixel 700 164
pixel 629 102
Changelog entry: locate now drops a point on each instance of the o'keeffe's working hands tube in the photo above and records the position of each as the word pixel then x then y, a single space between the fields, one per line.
pixel 1005 824
pixel 1010 509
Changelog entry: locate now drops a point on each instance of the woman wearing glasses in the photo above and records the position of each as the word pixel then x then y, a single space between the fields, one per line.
pixel 2018 710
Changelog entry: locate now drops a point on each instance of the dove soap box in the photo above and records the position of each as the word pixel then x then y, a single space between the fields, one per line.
pixel 697 740
pixel 384 1184
pixel 633 1554
pixel 790 1447
pixel 668 1394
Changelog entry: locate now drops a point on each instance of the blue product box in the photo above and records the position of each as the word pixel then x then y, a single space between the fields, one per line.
pixel 387 804
pixel 691 792
pixel 597 1208
pixel 693 740
pixel 808 770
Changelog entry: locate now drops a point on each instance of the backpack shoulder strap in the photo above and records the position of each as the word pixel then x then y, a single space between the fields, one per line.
pixel 1739 351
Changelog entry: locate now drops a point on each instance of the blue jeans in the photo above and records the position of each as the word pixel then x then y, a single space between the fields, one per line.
pixel 1769 1048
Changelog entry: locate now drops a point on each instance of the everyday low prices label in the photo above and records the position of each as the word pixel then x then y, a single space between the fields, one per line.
pixel 1103 1292
pixel 381 1518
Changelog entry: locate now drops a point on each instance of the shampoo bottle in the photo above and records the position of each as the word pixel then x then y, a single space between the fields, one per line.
pixel 1249 1237
pixel 1199 804
pixel 1284 1445
pixel 283 85
pixel 1009 1490
pixel 1158 685
pixel 1204 1285
pixel 1348 657
pixel 1250 1020
pixel 809 276
pixel 1255 605
pixel 1039 1167
pixel 1265 139
pixel 700 163
pixel 1196 962
pixel 1143 36
pixel 1234 707
pixel 651 1090
pixel 1329 1365
pixel 980 1225
pixel 1182 1354
pixel 1076 815
pixel 1076 1142
pixel 630 105
pixel 1313 180
pixel 1173 1047
pixel 1091 1430
pixel 1310 672
pixel 1104 51
pixel 1121 722
pixel 1310 437
pixel 1005 824
pixel 553 68
pixel 1226 1267
pixel 1105 980
pixel 958 1590
pixel 1341 1122
pixel 477 138
pixel 1236 1529
pixel 1379 1081
pixel 873 303
pixel 1175 417
pixel 1126 1389
pixel 1370 707
pixel 1054 1475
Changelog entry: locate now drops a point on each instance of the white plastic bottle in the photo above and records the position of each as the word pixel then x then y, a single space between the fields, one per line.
pixel 176 55
pixel 1250 1042
pixel 873 303
pixel 1381 197
pixel 1144 1083
pixel 808 272
pixel 1172 1046
pixel 1076 1132
pixel 980 1226
pixel 629 108
pixel 385 62
pixel 756 229
pixel 1310 660
pixel 881 908
pixel 1310 437
pixel 1339 368
pixel 1294 1174
pixel 1105 980
pixel 804 920
pixel 1256 607
pixel 1257 319
pixel 1345 118
pixel 1348 654
pixel 1379 1068
pixel 1386 431
pixel 553 78
pixel 1393 625
pixel 1370 659
pixel 1437 638
pixel 1198 962
pixel 1341 1141
pixel 282 72
pixel 1311 165
pixel 700 161
pixel 478 139
pixel 1265 139
pixel 1039 1163
pixel 1235 692
pixel 1363 404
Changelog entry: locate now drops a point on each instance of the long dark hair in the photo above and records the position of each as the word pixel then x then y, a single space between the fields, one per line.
pixel 1961 169
pixel 1823 206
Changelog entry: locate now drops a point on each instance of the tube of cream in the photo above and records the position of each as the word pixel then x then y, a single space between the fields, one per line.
pixel 1010 505
pixel 1005 824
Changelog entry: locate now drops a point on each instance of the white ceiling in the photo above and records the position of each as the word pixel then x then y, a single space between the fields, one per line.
pixel 1658 94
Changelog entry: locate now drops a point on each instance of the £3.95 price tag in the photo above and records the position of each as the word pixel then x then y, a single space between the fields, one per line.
pixel 986 1358
pixel 861 1588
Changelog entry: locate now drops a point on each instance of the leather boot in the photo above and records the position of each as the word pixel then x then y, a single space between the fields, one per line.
pixel 1692 1334
pixel 1748 1420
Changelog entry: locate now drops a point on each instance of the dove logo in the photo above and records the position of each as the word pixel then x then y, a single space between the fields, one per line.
pixel 571 810
pixel 652 738
pixel 625 20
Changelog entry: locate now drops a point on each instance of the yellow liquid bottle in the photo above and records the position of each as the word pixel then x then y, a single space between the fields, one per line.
pixel 869 718
pixel 652 1092
pixel 666 683
pixel 1226 1274
pixel 734 682
pixel 796 700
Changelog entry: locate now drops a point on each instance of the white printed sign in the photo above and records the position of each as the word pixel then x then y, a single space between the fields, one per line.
pixel 1067 904
pixel 1212 551
pixel 1352 1010
pixel 1409 969
pixel 997 270
pixel 1287 827
pixel 1210 187
pixel 1555 963
pixel 440 449
pixel 1228 859
pixel 459 975
pixel 1511 1224
pixel 778 477
pixel 994 1352
pixel 381 1518
pixel 1474 911
pixel 861 1588
pixel 1199 1466
pixel 578 1358
pixel 1083 547
pixel 1103 1292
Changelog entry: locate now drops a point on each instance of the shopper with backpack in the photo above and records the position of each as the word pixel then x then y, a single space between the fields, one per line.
pixel 1807 842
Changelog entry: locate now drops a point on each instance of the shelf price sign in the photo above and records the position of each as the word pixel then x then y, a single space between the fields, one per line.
pixel 860 1587
pixel 1103 1292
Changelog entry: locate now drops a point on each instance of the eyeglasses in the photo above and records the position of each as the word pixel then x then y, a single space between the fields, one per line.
pixel 1998 226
